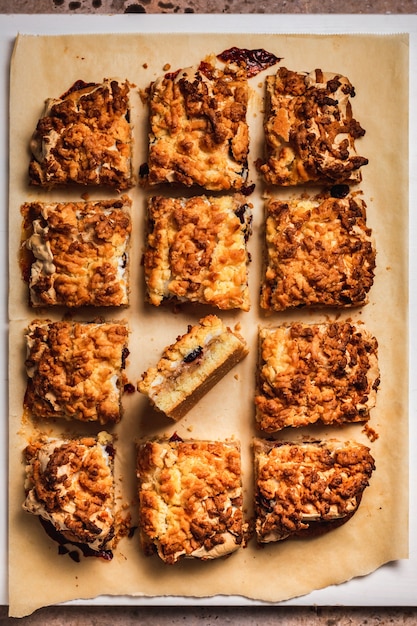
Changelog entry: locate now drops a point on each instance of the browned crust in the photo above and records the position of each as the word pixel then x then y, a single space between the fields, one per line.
pixel 198 129
pixel 190 498
pixel 196 251
pixel 84 137
pixel 305 489
pixel 326 373
pixel 75 370
pixel 77 253
pixel 318 252
pixel 309 129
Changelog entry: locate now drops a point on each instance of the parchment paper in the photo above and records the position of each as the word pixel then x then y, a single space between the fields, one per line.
pixel 45 66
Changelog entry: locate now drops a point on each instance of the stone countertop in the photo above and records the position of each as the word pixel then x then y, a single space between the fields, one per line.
pixel 210 615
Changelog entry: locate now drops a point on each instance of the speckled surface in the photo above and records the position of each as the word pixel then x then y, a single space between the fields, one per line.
pixel 267 616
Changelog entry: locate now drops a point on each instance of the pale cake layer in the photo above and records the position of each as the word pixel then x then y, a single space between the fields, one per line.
pixel 84 137
pixel 77 253
pixel 198 129
pixel 319 252
pixel 197 251
pixel 69 484
pixel 308 373
pixel 309 129
pixel 191 366
pixel 190 499
pixel 75 370
pixel 305 489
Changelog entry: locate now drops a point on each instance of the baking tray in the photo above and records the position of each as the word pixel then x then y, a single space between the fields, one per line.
pixel 392 584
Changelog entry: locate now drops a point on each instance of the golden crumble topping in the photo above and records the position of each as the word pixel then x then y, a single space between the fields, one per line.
pixel 196 251
pixel 310 373
pixel 307 488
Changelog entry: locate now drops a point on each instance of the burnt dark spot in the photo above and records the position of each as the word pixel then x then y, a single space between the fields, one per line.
pixel 175 437
pixel 143 170
pixel 73 6
pixel 339 191
pixel 96 4
pixel 193 355
pixel 129 388
pixel 135 8
pixel 125 354
pixel 58 3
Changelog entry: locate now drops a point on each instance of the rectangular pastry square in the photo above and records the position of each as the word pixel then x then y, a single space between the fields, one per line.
pixel 307 488
pixel 84 137
pixel 75 370
pixel 319 252
pixel 196 251
pixel 77 253
pixel 190 499
pixel 191 366
pixel 315 373
pixel 309 129
pixel 198 130
pixel 69 485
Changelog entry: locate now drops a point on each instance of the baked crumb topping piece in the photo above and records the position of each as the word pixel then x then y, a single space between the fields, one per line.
pixel 307 488
pixel 309 129
pixel 197 251
pixel 191 366
pixel 70 485
pixel 308 373
pixel 75 370
pixel 84 137
pixel 190 498
pixel 198 129
pixel 77 253
pixel 319 251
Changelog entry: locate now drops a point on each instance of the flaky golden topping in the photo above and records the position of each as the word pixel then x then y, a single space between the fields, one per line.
pixel 300 486
pixel 85 138
pixel 190 498
pixel 309 129
pixel 309 373
pixel 77 253
pixel 70 484
pixel 199 134
pixel 319 252
pixel 75 370
pixel 196 251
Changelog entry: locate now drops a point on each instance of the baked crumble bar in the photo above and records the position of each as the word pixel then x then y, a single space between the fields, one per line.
pixel 308 373
pixel 307 488
pixel 75 370
pixel 198 129
pixel 77 253
pixel 309 130
pixel 319 251
pixel 196 251
pixel 70 486
pixel 191 366
pixel 84 137
pixel 190 499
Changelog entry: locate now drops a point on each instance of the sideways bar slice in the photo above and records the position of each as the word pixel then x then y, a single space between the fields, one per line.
pixel 196 251
pixel 319 252
pixel 70 486
pixel 309 129
pixel 75 370
pixel 84 137
pixel 191 366
pixel 190 498
pixel 76 254
pixel 308 488
pixel 308 373
pixel 198 129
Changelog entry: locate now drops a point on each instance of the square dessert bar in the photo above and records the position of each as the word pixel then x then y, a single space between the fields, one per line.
pixel 190 498
pixel 326 373
pixel 77 253
pixel 309 129
pixel 319 252
pixel 307 488
pixel 70 486
pixel 198 129
pixel 75 370
pixel 84 137
pixel 197 251
pixel 191 366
